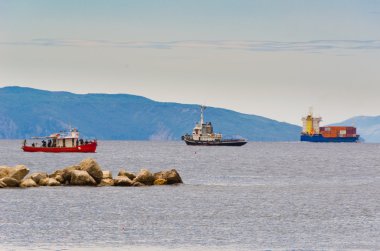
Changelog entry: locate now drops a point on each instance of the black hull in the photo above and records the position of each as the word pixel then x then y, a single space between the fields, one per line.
pixel 215 143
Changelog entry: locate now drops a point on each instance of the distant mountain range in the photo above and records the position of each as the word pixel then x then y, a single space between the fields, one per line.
pixel 367 126
pixel 26 112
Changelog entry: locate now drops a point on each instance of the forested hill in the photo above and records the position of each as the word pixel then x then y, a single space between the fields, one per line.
pixel 26 112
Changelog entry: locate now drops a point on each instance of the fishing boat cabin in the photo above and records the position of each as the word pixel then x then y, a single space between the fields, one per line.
pixel 64 141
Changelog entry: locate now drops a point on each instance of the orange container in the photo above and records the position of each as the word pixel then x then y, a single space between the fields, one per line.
pixel 337 131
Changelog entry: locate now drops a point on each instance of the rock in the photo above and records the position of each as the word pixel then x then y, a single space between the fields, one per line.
pixel 43 181
pixel 10 182
pixel 28 183
pixel 87 173
pixel 18 172
pixel 122 181
pixel 145 177
pixel 38 176
pixel 53 182
pixel 58 175
pixel 57 172
pixel 107 182
pixel 107 175
pixel 60 179
pixel 123 172
pixel 49 182
pixel 81 178
pixel 66 175
pixel 4 171
pixel 172 176
pixel 92 167
pixel 2 184
pixel 160 182
pixel 138 184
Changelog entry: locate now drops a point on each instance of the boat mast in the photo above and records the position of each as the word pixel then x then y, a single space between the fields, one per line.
pixel 311 111
pixel 202 110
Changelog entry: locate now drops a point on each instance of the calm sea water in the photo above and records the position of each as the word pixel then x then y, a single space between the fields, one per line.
pixel 259 196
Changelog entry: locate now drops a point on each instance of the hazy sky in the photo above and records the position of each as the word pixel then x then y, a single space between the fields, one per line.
pixel 270 58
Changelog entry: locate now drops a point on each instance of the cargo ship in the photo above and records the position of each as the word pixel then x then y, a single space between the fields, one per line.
pixel 312 132
pixel 203 134
pixel 65 141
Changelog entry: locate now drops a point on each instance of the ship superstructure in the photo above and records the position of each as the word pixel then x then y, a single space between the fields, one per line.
pixel 311 124
pixel 205 131
pixel 203 134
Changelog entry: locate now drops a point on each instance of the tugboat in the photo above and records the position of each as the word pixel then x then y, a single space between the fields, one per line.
pixel 66 141
pixel 203 134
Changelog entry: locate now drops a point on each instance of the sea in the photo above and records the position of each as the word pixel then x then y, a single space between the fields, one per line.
pixel 262 196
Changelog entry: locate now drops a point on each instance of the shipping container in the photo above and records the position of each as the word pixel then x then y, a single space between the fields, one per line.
pixel 329 135
pixel 335 130
pixel 351 130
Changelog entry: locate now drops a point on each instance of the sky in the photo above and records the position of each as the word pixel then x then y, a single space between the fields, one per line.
pixel 269 58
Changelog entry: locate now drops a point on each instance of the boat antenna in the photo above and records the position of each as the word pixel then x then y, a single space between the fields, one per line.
pixel 202 110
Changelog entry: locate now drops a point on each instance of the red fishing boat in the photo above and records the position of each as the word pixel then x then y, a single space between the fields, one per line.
pixel 67 141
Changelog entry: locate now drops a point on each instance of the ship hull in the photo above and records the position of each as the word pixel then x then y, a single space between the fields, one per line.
pixel 88 148
pixel 215 143
pixel 320 138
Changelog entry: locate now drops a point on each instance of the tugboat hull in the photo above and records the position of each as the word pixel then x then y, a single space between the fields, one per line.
pixel 88 148
pixel 215 143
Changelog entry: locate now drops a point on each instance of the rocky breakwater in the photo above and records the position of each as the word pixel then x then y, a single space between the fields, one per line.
pixel 86 173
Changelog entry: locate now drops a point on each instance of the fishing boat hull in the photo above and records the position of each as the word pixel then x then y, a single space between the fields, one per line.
pixel 215 143
pixel 88 148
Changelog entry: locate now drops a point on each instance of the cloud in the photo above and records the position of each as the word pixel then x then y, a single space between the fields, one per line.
pixel 313 46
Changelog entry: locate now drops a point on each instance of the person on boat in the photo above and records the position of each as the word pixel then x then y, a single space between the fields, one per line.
pixel 43 143
pixel 86 142
pixel 33 145
pixel 81 141
pixel 24 142
pixel 77 142
pixel 49 143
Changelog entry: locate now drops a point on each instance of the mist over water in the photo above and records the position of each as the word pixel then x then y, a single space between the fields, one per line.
pixel 259 196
